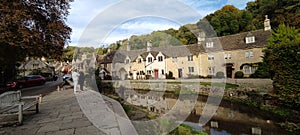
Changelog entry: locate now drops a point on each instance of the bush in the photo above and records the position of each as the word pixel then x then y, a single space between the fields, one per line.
pixel 220 74
pixel 239 74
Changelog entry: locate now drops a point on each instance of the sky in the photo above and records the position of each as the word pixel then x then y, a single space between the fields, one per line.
pixel 98 23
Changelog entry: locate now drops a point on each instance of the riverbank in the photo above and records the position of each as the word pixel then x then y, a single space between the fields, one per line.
pixel 246 93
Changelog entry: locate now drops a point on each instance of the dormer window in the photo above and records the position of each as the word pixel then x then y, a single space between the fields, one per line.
pixel 209 44
pixel 149 59
pixel 160 58
pixel 190 58
pixel 127 61
pixel 250 40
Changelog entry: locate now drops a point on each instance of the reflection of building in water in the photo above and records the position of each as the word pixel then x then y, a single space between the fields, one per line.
pixel 157 102
pixel 152 102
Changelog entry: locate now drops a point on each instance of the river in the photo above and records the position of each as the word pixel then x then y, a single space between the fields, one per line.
pixel 230 118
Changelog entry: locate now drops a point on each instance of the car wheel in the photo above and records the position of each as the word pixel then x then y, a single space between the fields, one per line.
pixel 43 82
pixel 21 86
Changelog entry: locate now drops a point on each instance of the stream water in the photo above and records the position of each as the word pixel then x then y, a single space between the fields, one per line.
pixel 230 118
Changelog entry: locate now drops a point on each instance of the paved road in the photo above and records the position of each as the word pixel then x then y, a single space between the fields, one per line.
pixel 45 89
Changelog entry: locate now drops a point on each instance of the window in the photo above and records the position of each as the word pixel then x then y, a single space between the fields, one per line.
pixel 211 57
pixel 211 70
pixel 174 59
pixel 191 69
pixel 127 61
pixel 250 40
pixel 149 59
pixel 247 70
pixel 142 73
pixel 149 72
pixel 160 58
pixel 249 54
pixel 139 60
pixel 162 71
pixel 209 44
pixel 190 58
pixel 227 56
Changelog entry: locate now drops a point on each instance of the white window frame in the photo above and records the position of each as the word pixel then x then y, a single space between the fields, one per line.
pixel 209 44
pixel 249 54
pixel 211 70
pixel 191 69
pixel 160 58
pixel 190 58
pixel 162 72
pixel 150 59
pixel 247 69
pixel 227 56
pixel 250 40
pixel 174 59
pixel 149 72
pixel 127 61
pixel 210 57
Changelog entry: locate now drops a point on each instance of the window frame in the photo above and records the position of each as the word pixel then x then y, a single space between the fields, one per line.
pixel 190 58
pixel 209 44
pixel 250 40
pixel 191 69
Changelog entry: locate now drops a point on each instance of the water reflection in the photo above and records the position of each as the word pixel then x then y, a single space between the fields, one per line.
pixel 230 118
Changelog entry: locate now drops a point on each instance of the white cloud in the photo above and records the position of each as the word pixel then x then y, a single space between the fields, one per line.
pixel 106 21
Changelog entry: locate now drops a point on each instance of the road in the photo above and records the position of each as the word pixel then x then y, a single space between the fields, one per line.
pixel 41 89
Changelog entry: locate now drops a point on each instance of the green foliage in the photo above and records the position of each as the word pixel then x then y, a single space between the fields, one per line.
pixel 220 74
pixel 239 74
pixel 262 71
pixel 170 75
pixel 279 11
pixel 283 56
pixel 230 20
pixel 31 28
pixel 186 130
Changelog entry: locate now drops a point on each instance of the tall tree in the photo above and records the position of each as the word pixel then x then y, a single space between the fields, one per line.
pixel 287 11
pixel 283 57
pixel 33 28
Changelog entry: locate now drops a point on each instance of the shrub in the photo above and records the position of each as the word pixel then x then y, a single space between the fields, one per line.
pixel 170 75
pixel 220 74
pixel 239 74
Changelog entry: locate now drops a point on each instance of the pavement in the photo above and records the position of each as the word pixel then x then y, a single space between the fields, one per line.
pixel 84 113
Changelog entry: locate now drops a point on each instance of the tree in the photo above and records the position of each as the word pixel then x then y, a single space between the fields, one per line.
pixel 279 11
pixel 282 54
pixel 229 20
pixel 31 29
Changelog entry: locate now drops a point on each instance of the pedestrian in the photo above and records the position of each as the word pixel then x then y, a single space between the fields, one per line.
pixel 75 77
pixel 81 80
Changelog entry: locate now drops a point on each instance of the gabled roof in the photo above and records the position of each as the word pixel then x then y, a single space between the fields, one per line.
pixel 145 54
pixel 237 41
pixel 225 43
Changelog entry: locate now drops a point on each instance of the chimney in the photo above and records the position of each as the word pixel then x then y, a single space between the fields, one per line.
pixel 267 23
pixel 108 50
pixel 201 37
pixel 149 46
pixel 128 46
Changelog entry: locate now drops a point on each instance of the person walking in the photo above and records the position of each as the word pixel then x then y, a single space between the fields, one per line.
pixel 81 80
pixel 75 77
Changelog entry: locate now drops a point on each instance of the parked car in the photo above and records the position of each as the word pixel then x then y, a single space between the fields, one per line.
pixel 31 80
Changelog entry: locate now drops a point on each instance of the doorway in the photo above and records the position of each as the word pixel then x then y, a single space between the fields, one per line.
pixel 179 73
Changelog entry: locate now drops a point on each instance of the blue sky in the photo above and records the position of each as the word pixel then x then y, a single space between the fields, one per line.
pixel 101 22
